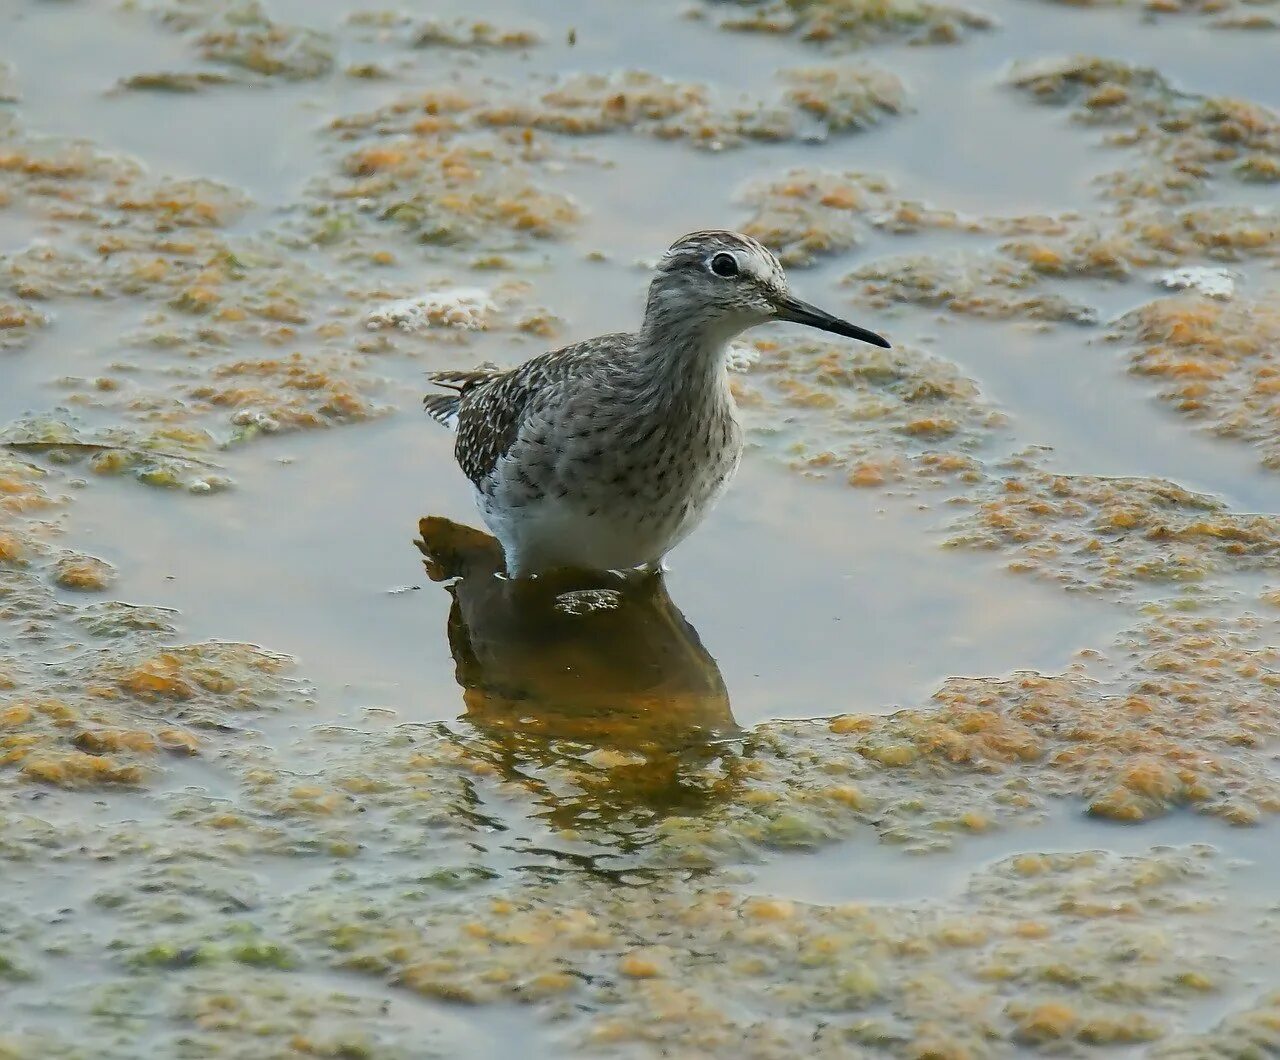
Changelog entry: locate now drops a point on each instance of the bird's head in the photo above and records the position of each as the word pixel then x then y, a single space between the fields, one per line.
pixel 721 283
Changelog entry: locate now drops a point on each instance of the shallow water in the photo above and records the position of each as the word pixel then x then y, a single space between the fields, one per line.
pixel 340 582
pixel 775 733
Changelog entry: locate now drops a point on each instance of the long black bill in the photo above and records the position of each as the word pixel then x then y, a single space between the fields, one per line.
pixel 803 313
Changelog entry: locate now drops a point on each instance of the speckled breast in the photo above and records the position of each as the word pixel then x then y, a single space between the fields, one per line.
pixel 667 477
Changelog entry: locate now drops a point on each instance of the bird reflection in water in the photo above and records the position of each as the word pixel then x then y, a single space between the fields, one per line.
pixel 591 673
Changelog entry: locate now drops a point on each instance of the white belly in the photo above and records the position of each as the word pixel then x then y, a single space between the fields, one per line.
pixel 552 533
pixel 572 508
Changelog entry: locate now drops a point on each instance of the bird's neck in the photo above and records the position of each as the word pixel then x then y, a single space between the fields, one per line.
pixel 683 358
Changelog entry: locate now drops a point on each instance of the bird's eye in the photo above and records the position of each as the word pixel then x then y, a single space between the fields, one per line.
pixel 725 265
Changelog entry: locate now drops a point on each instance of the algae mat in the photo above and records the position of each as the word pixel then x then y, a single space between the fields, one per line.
pixel 952 735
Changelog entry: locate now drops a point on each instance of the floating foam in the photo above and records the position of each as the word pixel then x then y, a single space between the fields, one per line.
pixel 463 308
pixel 1208 280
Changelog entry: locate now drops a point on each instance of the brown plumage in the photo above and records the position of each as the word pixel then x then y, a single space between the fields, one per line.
pixel 488 404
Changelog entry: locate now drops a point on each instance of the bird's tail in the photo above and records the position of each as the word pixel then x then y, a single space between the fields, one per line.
pixel 443 408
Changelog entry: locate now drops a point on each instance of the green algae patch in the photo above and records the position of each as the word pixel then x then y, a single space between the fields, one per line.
pixel 454 195
pixel 820 99
pixel 626 852
pixel 627 969
pixel 223 305
pixel 118 716
pixel 83 573
pixel 18 320
pixel 166 457
pixel 182 82
pixel 806 214
pixel 1218 14
pixel 127 716
pixel 473 36
pixel 1100 534
pixel 847 24
pixel 1181 140
pixel 834 99
pixel 810 214
pixel 1020 280
pixel 210 1010
pixel 1175 715
pixel 1252 1030
pixel 244 37
pixel 875 417
pixel 1216 363
pixel 987 287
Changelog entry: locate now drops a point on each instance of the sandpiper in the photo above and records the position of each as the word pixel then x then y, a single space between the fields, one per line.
pixel 607 453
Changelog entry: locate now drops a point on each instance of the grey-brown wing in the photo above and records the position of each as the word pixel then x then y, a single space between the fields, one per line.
pixel 491 411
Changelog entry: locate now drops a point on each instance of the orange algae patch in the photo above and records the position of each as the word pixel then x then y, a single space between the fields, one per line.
pixel 12 549
pixel 1171 747
pixel 845 97
pixel 809 213
pixel 17 715
pixel 178 741
pixel 989 287
pixel 183 204
pixel 849 795
pixel 453 194
pixel 83 573
pixel 80 770
pixel 806 215
pixel 866 475
pixel 1146 787
pixel 195 300
pixel 769 909
pixel 106 741
pixel 723 981
pixel 641 965
pixel 1109 534
pixel 856 23
pixel 158 677
pixel 234 671
pixel 882 417
pixel 1217 363
pixel 94 736
pixel 73 162
pixel 1043 1023
pixel 16 322
pixel 375 159
pixel 1187 723
pixel 460 33
pixel 635 101
pixel 1183 139
pixel 295 393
